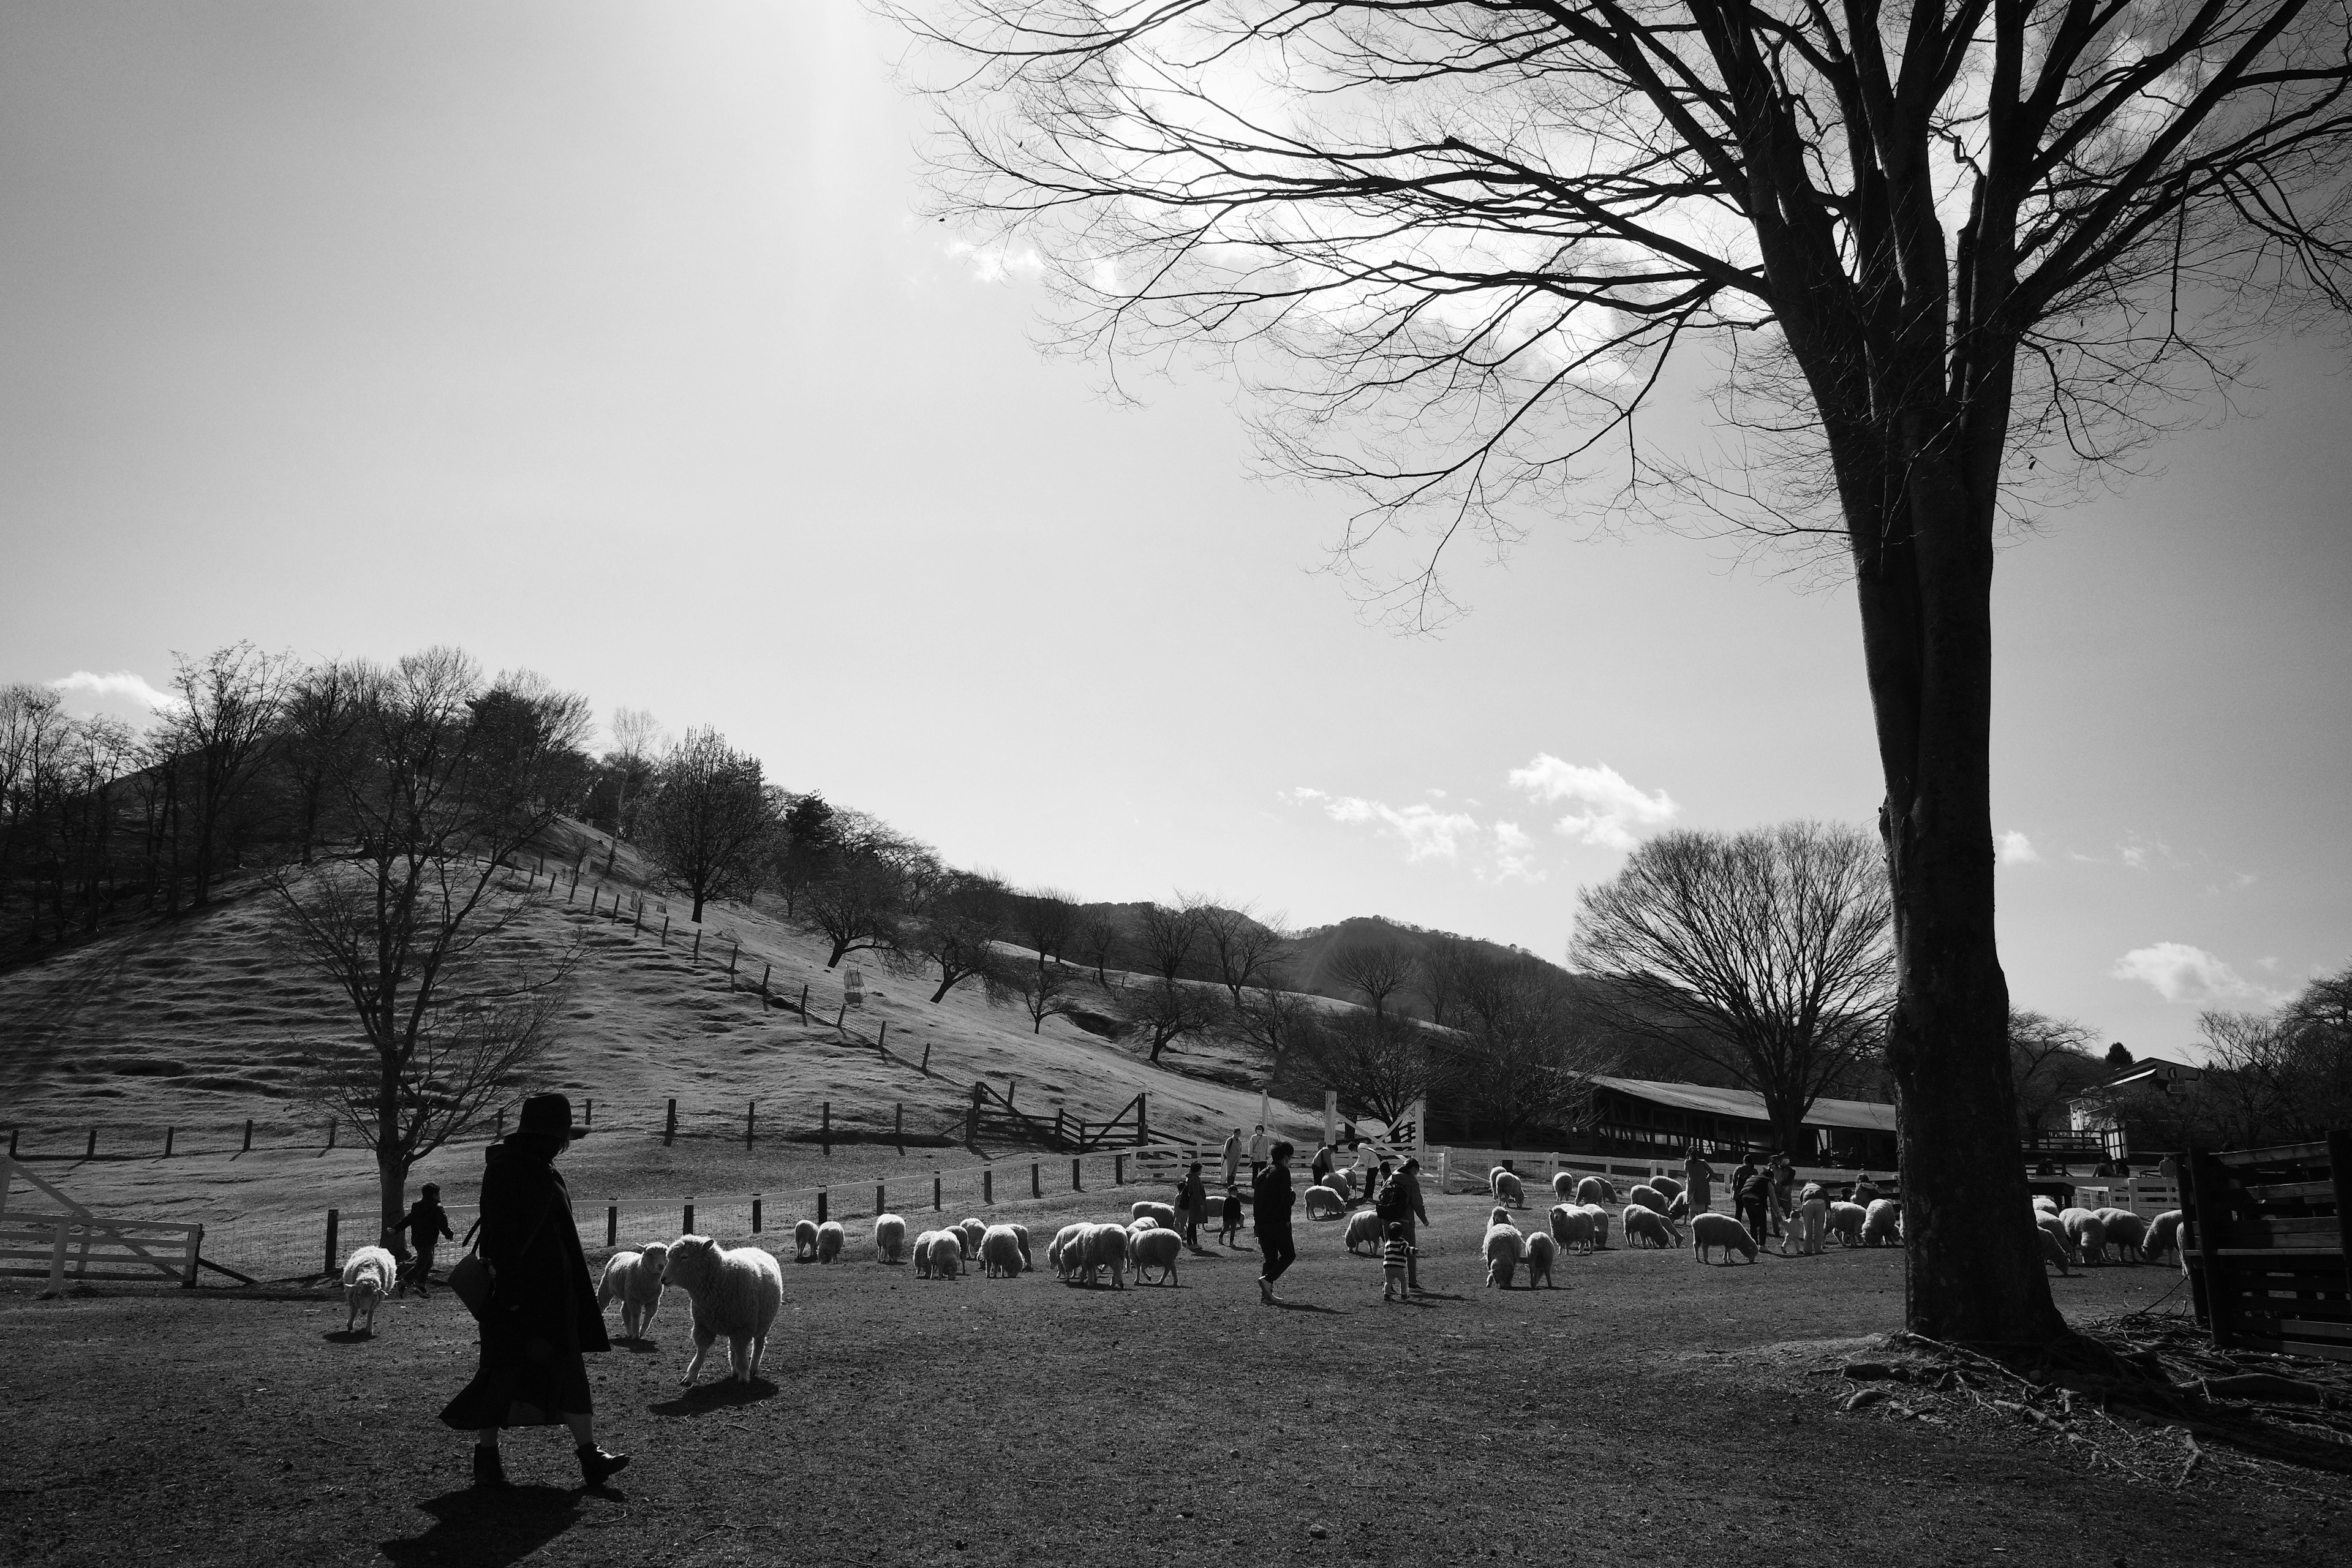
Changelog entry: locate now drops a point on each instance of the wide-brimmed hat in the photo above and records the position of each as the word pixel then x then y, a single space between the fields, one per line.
pixel 550 1114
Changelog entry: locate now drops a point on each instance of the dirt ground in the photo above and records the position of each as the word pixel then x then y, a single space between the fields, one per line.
pixel 1648 1411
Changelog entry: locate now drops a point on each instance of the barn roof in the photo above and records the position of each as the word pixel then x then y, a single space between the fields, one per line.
pixel 1863 1115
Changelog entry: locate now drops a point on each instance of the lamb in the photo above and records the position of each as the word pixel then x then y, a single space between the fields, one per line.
pixel 635 1279
pixel 830 1239
pixel 1058 1256
pixel 1668 1186
pixel 974 1232
pixel 1596 1189
pixel 1156 1249
pixel 1807 1226
pixel 1504 1247
pixel 1164 1213
pixel 890 1237
pixel 1649 1225
pixel 1649 1197
pixel 1571 1226
pixel 2163 1236
pixel 1325 1203
pixel 1364 1229
pixel 1504 1185
pixel 2126 1233
pixel 1001 1253
pixel 1541 1250
pixel 368 1275
pixel 804 1241
pixel 1601 1219
pixel 2087 1233
pixel 1882 1223
pixel 735 1291
pixel 1845 1221
pixel 1711 1229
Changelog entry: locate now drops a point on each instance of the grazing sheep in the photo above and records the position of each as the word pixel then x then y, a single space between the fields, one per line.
pixel 890 1238
pixel 1668 1186
pixel 1541 1250
pixel 1364 1229
pixel 635 1279
pixel 1881 1224
pixel 1157 1248
pixel 1097 1247
pixel 1601 1219
pixel 1145 1223
pixel 830 1239
pixel 1563 1186
pixel 1648 1198
pixel 735 1291
pixel 804 1241
pixel 2044 1202
pixel 1807 1226
pixel 972 1231
pixel 2087 1233
pixel 1845 1221
pixel 2050 1226
pixel 1000 1255
pixel 1325 1203
pixel 923 1254
pixel 1164 1213
pixel 1721 1230
pixel 1571 1226
pixel 2163 1236
pixel 1596 1189
pixel 1504 1185
pixel 1020 1234
pixel 946 1254
pixel 2054 1250
pixel 1678 1208
pixel 1504 1247
pixel 1059 1257
pixel 2126 1233
pixel 1649 1225
pixel 368 1275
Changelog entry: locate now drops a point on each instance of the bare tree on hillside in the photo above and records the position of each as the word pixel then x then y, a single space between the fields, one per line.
pixel 226 724
pixel 875 886
pixel 1284 1024
pixel 959 933
pixel 2051 1061
pixel 1375 968
pixel 1244 949
pixel 454 997
pixel 807 844
pixel 1165 1011
pixel 99 752
pixel 1044 991
pixel 1532 1047
pixel 1437 979
pixel 636 735
pixel 34 735
pixel 1045 920
pixel 1379 1064
pixel 708 819
pixel 1769 953
pixel 1165 936
pixel 1099 935
pixel 322 718
pixel 1943 259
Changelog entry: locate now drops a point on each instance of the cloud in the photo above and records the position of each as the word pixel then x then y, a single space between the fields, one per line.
pixel 2181 972
pixel 1515 855
pixel 996 263
pixel 1613 808
pixel 2017 849
pixel 122 683
pixel 1503 854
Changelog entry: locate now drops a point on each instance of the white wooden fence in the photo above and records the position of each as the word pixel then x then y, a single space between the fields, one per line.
pixel 68 1242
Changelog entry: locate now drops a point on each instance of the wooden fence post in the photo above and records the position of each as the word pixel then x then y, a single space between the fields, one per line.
pixel 825 1128
pixel 611 1225
pixel 330 1134
pixel 803 1003
pixel 195 1251
pixel 936 1191
pixel 695 956
pixel 573 891
pixel 589 1120
pixel 92 1152
pixel 926 1058
pixel 734 953
pixel 11 1142
pixel 765 969
pixel 592 903
pixel 987 1184
pixel 334 1219
pixel 755 1213
pixel 881 1202
pixel 841 1018
pixel 820 1205
pixel 1077 1173
pixel 1035 1191
pixel 669 1128
pixel 248 1138
pixel 750 1120
pixel 884 1036
pixel 1119 1170
pixel 689 1216
pixel 665 935
pixel 898 1128
pixel 1143 1117
pixel 167 1141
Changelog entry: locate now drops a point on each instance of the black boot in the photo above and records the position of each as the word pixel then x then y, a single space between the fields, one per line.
pixel 488 1470
pixel 597 1466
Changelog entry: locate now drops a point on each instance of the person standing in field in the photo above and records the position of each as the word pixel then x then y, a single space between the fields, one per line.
pixel 1234 1159
pixel 1396 1264
pixel 1320 1172
pixel 428 1225
pixel 1400 1204
pixel 1257 1151
pixel 1368 1170
pixel 1232 1226
pixel 1751 1197
pixel 542 1315
pixel 1698 1178
pixel 1192 1205
pixel 1784 1192
pixel 1272 1200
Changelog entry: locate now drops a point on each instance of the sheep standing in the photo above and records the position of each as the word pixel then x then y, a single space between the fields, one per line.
pixel 890 1237
pixel 972 1231
pixel 804 1241
pixel 922 1251
pixel 1001 1255
pixel 1504 1182
pixel 1647 1224
pixel 369 1274
pixel 2163 1236
pixel 1596 1189
pixel 1504 1247
pixel 1364 1230
pixel 1020 1234
pixel 735 1291
pixel 635 1279
pixel 1650 1198
pixel 1157 1248
pixel 1563 1186
pixel 830 1239
pixel 1325 1203
pixel 1712 1229
pixel 1601 1219
pixel 1541 1250
pixel 2087 1233
pixel 1881 1224
pixel 1668 1186
pixel 1165 1214
pixel 1060 1256
pixel 1846 1222
pixel 946 1254
pixel 2126 1232
pixel 2054 1250
pixel 1571 1226
pixel 2054 1228
pixel 1097 1247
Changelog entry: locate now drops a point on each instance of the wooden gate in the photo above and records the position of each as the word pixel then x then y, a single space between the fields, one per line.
pixel 68 1242
pixel 2262 1237
pixel 995 1115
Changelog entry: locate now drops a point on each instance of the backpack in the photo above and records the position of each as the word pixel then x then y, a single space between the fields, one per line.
pixel 1394 1204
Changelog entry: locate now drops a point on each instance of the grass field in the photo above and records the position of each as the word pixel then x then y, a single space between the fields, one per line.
pixel 1646 1412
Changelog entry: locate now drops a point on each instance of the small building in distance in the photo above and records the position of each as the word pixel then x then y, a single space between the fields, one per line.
pixel 2101 1116
pixel 1645 1118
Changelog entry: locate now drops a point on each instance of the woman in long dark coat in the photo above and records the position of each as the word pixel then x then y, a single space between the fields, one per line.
pixel 542 1313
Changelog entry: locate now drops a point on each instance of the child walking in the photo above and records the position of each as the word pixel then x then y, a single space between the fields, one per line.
pixel 428 1225
pixel 1396 1256
pixel 1233 1220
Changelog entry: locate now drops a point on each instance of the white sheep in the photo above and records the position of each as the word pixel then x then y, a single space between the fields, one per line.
pixel 890 1237
pixel 2163 1236
pixel 2044 1202
pixel 1650 1198
pixel 1807 1226
pixel 1649 1226
pixel 1563 1186
pixel 1668 1186
pixel 1364 1229
pixel 2054 1247
pixel 1882 1223
pixel 1059 1255
pixel 830 1239
pixel 1001 1255
pixel 1163 1213
pixel 946 1254
pixel 1596 1189
pixel 922 1253
pixel 1846 1222
pixel 1157 1248
pixel 1571 1226
pixel 2087 1233
pixel 1504 1182
pixel 1712 1229
pixel 634 1279
pixel 1325 1203
pixel 2126 1232
pixel 972 1231
pixel 1097 1247
pixel 1602 1220
pixel 2054 1228
pixel 1541 1250
pixel 1504 1245
pixel 1020 1234
pixel 735 1291
pixel 804 1241
pixel 368 1275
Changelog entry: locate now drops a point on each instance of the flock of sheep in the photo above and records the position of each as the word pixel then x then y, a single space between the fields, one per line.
pixel 2084 1235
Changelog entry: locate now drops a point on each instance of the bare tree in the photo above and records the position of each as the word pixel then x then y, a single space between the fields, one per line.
pixel 710 818
pixel 1099 935
pixel 1375 968
pixel 1943 261
pixel 1165 936
pixel 322 718
pixel 1531 1048
pixel 635 737
pixel 1282 1024
pixel 1768 953
pixel 34 735
pixel 226 724
pixel 1438 978
pixel 1379 1063
pixel 1044 991
pixel 1246 950
pixel 2050 1060
pixel 1045 920
pixel 1167 1010
pixel 959 933
pixel 875 884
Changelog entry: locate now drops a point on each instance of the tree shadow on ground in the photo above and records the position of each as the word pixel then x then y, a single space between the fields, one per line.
pixel 484 1526
pixel 724 1395
pixel 638 1346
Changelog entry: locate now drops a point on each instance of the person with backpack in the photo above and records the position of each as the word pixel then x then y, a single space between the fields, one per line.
pixel 1751 1197
pixel 1400 1204
pixel 1271 1201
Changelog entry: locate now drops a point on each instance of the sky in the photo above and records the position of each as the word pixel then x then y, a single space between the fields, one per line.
pixel 611 341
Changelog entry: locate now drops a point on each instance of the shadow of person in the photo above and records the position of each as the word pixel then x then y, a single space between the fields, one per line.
pixel 485 1527
pixel 724 1394
pixel 348 1336
pixel 1310 1307
pixel 638 1346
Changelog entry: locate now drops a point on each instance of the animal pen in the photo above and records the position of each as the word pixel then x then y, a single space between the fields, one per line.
pixel 2263 1238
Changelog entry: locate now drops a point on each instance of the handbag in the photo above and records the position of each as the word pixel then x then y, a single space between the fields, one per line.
pixel 471 1279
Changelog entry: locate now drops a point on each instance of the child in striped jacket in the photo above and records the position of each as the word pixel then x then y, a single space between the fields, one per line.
pixel 1395 1255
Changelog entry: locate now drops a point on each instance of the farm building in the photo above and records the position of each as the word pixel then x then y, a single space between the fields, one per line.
pixel 1638 1115
pixel 2103 1115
